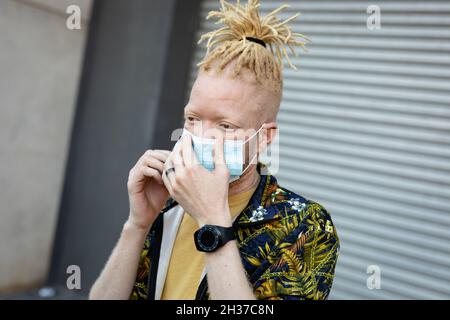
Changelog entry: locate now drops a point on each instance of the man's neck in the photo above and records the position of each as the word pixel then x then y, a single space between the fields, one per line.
pixel 247 181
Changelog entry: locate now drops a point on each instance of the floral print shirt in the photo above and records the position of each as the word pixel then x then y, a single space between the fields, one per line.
pixel 288 244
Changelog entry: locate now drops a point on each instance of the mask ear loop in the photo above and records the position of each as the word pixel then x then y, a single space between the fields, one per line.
pixel 251 137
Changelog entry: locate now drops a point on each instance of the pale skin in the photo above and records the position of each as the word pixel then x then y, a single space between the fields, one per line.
pixel 216 102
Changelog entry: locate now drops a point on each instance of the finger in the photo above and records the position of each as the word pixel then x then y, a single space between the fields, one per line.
pixel 218 151
pixel 151 173
pixel 162 151
pixel 169 177
pixel 157 154
pixel 140 172
pixel 177 159
pixel 161 154
pixel 189 156
pixel 153 163
pixel 167 182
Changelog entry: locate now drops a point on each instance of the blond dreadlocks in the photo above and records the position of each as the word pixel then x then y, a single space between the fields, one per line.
pixel 248 38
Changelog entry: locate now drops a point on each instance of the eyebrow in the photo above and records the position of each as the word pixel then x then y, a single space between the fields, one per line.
pixel 218 114
pixel 219 117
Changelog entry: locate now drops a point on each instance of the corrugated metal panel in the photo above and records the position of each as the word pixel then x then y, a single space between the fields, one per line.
pixel 365 130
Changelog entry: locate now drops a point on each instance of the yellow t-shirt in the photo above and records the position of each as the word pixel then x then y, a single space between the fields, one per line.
pixel 186 263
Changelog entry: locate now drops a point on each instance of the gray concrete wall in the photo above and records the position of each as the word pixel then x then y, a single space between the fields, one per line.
pixel 132 95
pixel 40 64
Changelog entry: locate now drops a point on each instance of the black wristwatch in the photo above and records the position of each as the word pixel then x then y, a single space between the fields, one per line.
pixel 209 238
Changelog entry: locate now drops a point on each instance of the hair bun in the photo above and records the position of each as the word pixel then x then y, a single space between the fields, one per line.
pixel 243 23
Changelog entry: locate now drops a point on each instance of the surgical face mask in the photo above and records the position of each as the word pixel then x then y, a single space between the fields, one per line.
pixel 233 154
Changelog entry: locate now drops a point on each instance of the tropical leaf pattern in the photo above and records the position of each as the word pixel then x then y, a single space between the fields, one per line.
pixel 288 244
pixel 140 286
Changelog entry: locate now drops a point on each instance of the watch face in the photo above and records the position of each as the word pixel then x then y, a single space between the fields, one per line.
pixel 208 238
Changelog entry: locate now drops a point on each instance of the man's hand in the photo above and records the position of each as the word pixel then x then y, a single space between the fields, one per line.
pixel 202 193
pixel 146 191
pixel 147 195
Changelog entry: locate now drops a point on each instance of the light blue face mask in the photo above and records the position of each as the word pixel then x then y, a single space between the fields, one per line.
pixel 233 154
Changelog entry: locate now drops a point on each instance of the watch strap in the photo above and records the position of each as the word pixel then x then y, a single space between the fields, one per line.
pixel 227 234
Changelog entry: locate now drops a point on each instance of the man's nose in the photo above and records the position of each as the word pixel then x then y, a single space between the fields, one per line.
pixel 212 133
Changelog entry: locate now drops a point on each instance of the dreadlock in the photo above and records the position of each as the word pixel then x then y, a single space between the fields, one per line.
pixel 258 44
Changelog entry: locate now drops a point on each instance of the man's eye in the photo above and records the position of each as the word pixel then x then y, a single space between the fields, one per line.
pixel 191 119
pixel 226 126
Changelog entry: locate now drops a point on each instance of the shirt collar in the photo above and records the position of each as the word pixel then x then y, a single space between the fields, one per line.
pixel 260 209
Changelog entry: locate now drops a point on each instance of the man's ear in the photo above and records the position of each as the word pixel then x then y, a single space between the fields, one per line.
pixel 266 136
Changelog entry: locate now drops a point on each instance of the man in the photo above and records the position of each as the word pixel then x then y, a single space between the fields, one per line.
pixel 211 223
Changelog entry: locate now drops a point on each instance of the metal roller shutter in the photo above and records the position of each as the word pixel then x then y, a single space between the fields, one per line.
pixel 365 131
